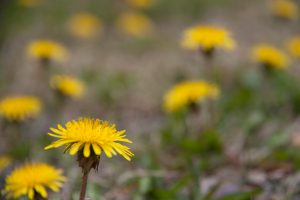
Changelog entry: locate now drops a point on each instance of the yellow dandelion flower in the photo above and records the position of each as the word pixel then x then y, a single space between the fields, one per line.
pixel 286 9
pixel 19 108
pixel 29 3
pixel 91 136
pixel 188 93
pixel 135 24
pixel 5 161
pixel 67 85
pixel 47 50
pixel 33 179
pixel 207 38
pixel 270 56
pixel 294 46
pixel 140 3
pixel 85 25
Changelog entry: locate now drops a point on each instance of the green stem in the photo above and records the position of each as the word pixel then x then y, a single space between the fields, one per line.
pixel 194 167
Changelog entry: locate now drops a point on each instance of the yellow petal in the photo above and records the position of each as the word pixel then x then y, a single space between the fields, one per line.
pixel 97 149
pixel 86 150
pixel 56 131
pixel 41 190
pixel 75 147
pixel 30 193
pixel 106 151
pixel 54 188
pixel 55 135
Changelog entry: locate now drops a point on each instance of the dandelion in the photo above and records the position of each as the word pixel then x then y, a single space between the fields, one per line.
pixel 189 93
pixel 91 136
pixel 85 25
pixel 294 46
pixel 67 85
pixel 285 9
pixel 88 138
pixel 33 180
pixel 5 161
pixel 47 50
pixel 270 57
pixel 207 39
pixel 20 108
pixel 140 3
pixel 135 24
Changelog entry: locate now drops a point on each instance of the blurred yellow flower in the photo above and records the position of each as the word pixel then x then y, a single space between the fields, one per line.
pixel 29 3
pixel 270 56
pixel 46 50
pixel 19 108
pixel 294 46
pixel 188 93
pixel 85 25
pixel 5 161
pixel 286 9
pixel 140 3
pixel 91 137
pixel 135 24
pixel 67 85
pixel 33 179
pixel 207 38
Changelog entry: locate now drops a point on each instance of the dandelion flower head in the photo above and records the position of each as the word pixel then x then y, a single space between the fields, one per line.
pixel 92 137
pixel 33 179
pixel 67 85
pixel 85 25
pixel 187 93
pixel 286 9
pixel 135 24
pixel 19 108
pixel 270 56
pixel 294 46
pixel 47 50
pixel 207 38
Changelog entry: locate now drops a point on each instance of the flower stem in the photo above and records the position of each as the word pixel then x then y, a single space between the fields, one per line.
pixel 213 76
pixel 83 185
pixel 86 164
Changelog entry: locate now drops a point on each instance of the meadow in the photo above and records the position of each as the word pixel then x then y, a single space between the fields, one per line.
pixel 149 99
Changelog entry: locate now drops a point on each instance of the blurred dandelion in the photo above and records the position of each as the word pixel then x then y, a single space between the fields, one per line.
pixel 140 3
pixel 46 51
pixel 294 46
pixel 135 24
pixel 5 161
pixel 33 180
pixel 285 9
pixel 207 39
pixel 87 138
pixel 189 93
pixel 67 86
pixel 270 57
pixel 20 108
pixel 85 25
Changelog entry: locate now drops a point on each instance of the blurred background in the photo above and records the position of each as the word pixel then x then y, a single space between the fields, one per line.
pixel 127 54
